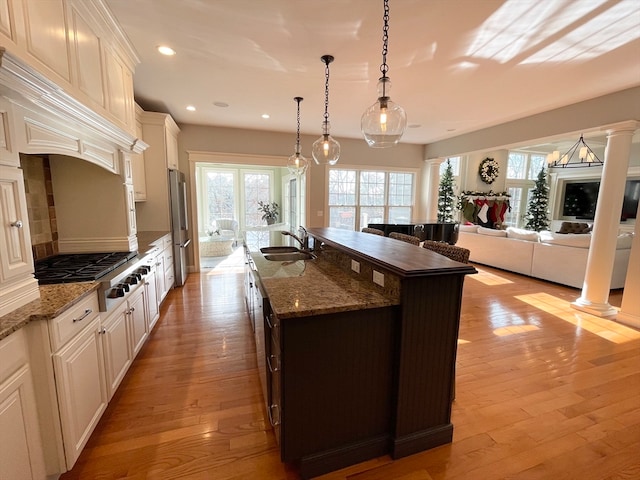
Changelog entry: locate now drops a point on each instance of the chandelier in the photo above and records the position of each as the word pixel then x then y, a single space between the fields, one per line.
pixel 296 163
pixel 579 155
pixel 383 123
pixel 326 150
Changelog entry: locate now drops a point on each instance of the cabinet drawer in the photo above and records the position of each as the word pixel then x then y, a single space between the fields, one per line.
pixel 65 326
pixel 13 354
pixel 167 241
pixel 168 258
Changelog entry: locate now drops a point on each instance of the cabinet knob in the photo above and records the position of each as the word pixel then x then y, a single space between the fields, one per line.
pixel 17 224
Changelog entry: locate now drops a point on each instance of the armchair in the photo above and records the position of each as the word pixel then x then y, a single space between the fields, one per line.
pixel 228 227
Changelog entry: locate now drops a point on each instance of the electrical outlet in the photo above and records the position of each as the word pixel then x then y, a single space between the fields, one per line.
pixel 320 213
pixel 355 266
pixel 378 278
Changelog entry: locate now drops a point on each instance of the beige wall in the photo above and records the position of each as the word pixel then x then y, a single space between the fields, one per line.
pixel 281 145
pixel 563 123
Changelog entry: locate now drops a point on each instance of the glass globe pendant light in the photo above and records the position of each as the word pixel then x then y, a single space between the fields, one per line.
pixel 383 123
pixel 326 150
pixel 296 163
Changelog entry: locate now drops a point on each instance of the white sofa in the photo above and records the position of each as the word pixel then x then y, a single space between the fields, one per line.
pixel 559 258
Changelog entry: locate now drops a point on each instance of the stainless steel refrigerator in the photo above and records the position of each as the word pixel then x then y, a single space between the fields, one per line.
pixel 179 224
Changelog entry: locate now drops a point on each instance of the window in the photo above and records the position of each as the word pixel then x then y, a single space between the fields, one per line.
pixel 522 170
pixel 257 188
pixel 360 197
pixel 231 192
pixel 455 166
pixel 220 196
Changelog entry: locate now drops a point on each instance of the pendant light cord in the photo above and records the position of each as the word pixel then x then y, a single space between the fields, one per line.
pixel 298 99
pixel 385 39
pixel 327 60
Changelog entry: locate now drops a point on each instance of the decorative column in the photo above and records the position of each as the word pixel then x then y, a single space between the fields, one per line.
pixel 432 185
pixel 597 280
pixel 629 313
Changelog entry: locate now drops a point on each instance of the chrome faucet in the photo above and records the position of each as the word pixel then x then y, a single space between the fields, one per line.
pixel 303 239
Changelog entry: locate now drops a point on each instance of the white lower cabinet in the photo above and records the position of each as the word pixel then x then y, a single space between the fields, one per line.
pixel 137 321
pixel 117 349
pixel 21 454
pixel 153 302
pixel 81 388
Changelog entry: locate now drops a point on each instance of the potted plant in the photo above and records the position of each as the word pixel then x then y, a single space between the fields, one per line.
pixel 269 211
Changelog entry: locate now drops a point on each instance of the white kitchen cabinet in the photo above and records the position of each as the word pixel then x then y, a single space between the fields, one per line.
pixel 136 318
pixel 81 388
pixel 138 165
pixel 77 45
pixel 8 153
pixel 151 292
pixel 17 283
pixel 21 454
pixel 117 348
pixel 130 203
pixel 168 268
pixel 160 132
pixel 160 280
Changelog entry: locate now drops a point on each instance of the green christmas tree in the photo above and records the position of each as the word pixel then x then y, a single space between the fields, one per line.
pixel 446 196
pixel 538 211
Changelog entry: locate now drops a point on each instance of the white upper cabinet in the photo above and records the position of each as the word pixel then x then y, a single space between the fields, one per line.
pixel 17 284
pixel 77 45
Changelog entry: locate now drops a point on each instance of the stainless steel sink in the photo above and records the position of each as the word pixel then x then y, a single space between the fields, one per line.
pixel 289 256
pixel 282 249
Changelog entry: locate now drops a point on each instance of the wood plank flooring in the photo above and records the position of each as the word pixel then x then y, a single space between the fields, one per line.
pixel 543 392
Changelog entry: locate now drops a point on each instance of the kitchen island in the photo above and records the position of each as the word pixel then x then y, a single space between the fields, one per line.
pixel 361 364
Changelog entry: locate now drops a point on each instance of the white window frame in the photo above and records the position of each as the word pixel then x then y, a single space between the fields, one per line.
pixel 526 185
pixel 358 169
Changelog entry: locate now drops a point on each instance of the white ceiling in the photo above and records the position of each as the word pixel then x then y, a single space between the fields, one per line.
pixel 456 65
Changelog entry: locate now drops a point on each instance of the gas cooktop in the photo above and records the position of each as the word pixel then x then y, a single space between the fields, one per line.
pixel 79 267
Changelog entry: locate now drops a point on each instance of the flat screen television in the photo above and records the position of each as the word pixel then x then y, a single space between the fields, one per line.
pixel 580 199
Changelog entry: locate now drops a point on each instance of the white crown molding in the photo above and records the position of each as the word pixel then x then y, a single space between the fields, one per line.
pixel 20 81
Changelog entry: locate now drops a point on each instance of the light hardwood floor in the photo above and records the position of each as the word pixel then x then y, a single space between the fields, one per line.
pixel 543 392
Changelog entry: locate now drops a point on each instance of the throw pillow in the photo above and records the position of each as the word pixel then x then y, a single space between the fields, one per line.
pixel 574 227
pixel 569 240
pixel 522 234
pixel 492 232
pixel 469 228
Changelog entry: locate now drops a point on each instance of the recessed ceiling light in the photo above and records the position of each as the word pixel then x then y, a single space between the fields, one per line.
pixel 164 50
pixel 191 108
pixel 265 115
pixel 221 104
pixel 414 125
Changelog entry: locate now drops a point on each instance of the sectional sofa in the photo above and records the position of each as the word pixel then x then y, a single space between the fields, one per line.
pixel 556 257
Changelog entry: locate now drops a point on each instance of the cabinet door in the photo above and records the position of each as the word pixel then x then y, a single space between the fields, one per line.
pixel 160 287
pixel 153 309
pixel 169 273
pixel 117 348
pixel 137 321
pixel 138 167
pixel 81 388
pixel 274 372
pixel 15 241
pixel 131 209
pixel 21 455
pixel 172 149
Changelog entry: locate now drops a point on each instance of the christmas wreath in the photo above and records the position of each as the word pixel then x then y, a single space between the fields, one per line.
pixel 489 170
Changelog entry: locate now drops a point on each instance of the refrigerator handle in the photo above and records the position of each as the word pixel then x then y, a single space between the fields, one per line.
pixel 185 244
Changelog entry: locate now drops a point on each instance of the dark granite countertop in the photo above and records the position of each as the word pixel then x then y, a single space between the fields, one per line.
pixel 55 299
